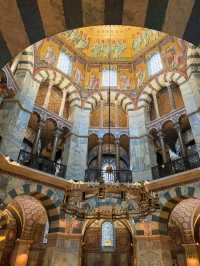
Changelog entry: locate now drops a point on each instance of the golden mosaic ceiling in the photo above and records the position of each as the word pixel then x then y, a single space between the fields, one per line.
pixel 110 42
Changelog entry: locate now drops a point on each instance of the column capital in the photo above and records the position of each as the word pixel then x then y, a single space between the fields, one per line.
pixel 100 140
pixel 24 241
pixel 58 131
pixel 41 123
pixel 177 126
pixel 117 140
pixel 51 84
pixel 161 134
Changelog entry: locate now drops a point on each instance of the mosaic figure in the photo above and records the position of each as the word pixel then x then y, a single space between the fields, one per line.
pixel 125 82
pixel 78 76
pixel 50 56
pixel 140 78
pixel 93 82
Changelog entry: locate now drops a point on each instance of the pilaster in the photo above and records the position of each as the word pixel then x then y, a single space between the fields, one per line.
pixel 63 249
pixel 154 251
pixel 76 146
pixel 140 159
pixel 15 115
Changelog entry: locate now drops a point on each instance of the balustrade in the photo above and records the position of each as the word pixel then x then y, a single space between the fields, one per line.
pixel 176 166
pixel 99 175
pixel 41 163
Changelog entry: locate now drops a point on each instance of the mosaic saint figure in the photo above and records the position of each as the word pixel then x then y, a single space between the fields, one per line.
pixel 93 82
pixel 50 56
pixel 125 82
pixel 78 76
pixel 118 48
pixel 140 78
pixel 83 42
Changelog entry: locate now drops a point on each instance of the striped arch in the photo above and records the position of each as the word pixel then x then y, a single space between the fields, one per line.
pixel 25 60
pixel 123 100
pixel 183 216
pixel 193 60
pixel 168 201
pixel 157 83
pixel 47 197
pixel 61 82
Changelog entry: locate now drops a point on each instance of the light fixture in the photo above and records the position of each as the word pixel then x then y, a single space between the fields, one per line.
pixel 134 201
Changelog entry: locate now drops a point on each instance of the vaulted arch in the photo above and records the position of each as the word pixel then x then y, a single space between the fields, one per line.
pixel 123 100
pixel 61 82
pixel 157 84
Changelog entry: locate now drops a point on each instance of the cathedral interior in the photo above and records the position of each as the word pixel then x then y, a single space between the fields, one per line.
pixel 99 133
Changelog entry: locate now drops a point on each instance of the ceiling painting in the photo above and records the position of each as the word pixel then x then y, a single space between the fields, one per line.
pixel 48 52
pixel 173 54
pixel 101 43
pixel 91 53
pixel 141 75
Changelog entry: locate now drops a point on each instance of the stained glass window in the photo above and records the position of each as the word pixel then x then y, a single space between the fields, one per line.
pixel 107 235
pixel 154 64
pixel 64 63
pixel 109 78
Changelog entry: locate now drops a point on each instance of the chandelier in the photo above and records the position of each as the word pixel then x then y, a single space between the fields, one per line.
pixel 98 201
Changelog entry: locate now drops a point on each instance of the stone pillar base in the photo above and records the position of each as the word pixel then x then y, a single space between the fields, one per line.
pixel 63 249
pixel 154 251
pixel 20 253
pixel 192 252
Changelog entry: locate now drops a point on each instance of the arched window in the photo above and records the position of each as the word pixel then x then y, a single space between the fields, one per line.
pixel 64 63
pixel 108 174
pixel 107 235
pixel 109 78
pixel 154 64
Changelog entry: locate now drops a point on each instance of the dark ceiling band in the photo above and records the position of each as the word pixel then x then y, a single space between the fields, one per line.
pixel 73 13
pixel 113 12
pixel 32 19
pixel 155 16
pixel 192 31
pixel 5 55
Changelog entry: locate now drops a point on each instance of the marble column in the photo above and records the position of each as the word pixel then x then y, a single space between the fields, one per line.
pixel 180 139
pixel 140 154
pixel 55 143
pixel 37 138
pixel 116 115
pixel 162 144
pixel 191 97
pixel 62 106
pixel 155 102
pixel 15 114
pixel 192 252
pixel 171 98
pixel 100 142
pixel 20 253
pixel 153 251
pixel 63 250
pixel 48 95
pixel 76 146
pixel 36 254
pixel 117 150
pixel 101 114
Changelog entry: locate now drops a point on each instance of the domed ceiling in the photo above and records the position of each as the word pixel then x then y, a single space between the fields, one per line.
pixel 119 43
pixel 125 49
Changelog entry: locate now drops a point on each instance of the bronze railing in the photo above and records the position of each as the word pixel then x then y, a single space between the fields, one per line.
pixel 41 163
pixel 98 175
pixel 177 166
